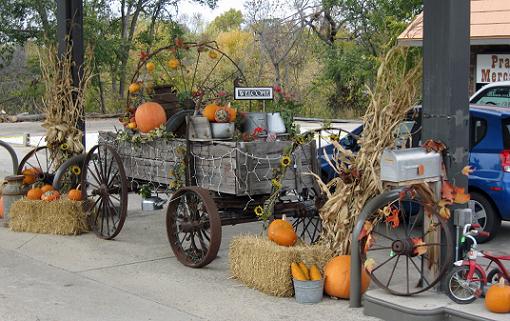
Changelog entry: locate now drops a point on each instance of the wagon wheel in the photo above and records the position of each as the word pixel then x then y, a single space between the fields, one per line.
pixel 200 71
pixel 12 153
pixel 68 175
pixel 402 248
pixel 104 188
pixel 193 226
pixel 307 223
pixel 39 158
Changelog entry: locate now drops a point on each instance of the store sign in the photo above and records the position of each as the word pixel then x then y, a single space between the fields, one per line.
pixel 253 93
pixel 492 68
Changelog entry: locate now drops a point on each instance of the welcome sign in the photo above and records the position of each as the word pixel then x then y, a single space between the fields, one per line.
pixel 492 68
pixel 253 93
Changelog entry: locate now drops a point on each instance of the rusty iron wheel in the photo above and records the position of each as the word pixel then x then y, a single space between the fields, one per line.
pixel 39 158
pixel 104 188
pixel 307 222
pixel 193 226
pixel 403 252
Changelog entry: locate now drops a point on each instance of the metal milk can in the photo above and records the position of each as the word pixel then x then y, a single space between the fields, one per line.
pixel 11 193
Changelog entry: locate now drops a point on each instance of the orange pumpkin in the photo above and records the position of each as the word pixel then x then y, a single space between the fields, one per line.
pixel 497 299
pixel 281 232
pixel 46 188
pixel 149 115
pixel 209 111
pixel 30 175
pixel 337 277
pixel 1 207
pixel 35 194
pixel 75 194
pixel 50 196
pixel 232 112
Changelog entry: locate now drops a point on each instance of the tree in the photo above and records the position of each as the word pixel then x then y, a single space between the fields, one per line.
pixel 228 21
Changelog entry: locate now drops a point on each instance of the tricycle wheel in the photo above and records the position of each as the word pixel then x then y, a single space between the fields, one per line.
pixel 193 226
pixel 461 290
pixel 493 276
pixel 104 188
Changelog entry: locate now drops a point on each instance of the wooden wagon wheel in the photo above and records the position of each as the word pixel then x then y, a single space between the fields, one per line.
pixel 402 248
pixel 104 187
pixel 193 226
pixel 196 72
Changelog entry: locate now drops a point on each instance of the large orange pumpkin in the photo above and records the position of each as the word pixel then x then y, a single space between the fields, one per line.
pixel 149 115
pixel 34 194
pixel 209 111
pixel 497 299
pixel 50 196
pixel 281 232
pixel 337 277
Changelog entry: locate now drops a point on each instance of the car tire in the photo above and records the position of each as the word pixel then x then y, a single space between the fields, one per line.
pixel 485 214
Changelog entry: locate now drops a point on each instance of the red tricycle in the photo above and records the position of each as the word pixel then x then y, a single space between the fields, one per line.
pixel 467 279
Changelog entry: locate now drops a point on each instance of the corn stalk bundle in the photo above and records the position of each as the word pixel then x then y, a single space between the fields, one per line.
pixel 62 105
pixel 397 89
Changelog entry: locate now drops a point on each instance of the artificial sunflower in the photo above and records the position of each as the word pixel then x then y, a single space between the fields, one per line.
pixel 276 183
pixel 285 161
pixel 64 146
pixel 333 137
pixel 76 170
pixel 259 210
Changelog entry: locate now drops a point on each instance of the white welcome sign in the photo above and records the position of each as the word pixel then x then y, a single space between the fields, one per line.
pixel 492 68
pixel 253 93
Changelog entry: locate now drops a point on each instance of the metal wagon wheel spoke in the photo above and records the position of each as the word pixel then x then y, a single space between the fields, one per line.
pixel 39 159
pixel 105 194
pixel 404 252
pixel 193 226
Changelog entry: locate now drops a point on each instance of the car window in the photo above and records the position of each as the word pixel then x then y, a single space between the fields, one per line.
pixel 497 96
pixel 506 133
pixel 403 133
pixel 477 131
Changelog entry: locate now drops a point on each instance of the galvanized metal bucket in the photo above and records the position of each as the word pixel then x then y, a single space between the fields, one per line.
pixel 308 292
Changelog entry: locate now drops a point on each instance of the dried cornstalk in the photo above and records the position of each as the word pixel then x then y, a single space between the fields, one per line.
pixel 398 87
pixel 63 105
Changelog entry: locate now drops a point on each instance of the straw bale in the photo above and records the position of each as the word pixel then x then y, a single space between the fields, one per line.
pixel 263 265
pixel 61 217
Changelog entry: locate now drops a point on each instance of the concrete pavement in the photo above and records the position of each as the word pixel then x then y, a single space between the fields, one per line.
pixel 136 277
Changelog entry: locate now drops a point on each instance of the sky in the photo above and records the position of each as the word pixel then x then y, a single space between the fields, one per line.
pixel 189 8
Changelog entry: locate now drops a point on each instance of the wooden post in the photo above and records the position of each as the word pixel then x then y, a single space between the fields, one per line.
pixel 445 114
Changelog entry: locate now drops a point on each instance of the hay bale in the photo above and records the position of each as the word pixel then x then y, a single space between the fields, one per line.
pixel 262 264
pixel 62 217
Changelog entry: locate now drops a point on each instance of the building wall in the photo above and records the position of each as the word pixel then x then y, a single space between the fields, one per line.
pixel 475 50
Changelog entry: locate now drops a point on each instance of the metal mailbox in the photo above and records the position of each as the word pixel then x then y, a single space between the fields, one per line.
pixel 412 164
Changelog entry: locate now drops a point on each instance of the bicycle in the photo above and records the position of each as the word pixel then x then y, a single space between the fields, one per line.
pixel 468 278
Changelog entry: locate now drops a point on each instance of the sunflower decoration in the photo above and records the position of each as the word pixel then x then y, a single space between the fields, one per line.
pixel 259 210
pixel 64 147
pixel 285 161
pixel 334 137
pixel 75 170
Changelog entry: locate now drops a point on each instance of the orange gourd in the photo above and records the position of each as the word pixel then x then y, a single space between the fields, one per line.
pixel 30 175
pixel 50 196
pixel 497 299
pixel 209 112
pixel 46 188
pixel 35 194
pixel 1 207
pixel 281 232
pixel 149 115
pixel 338 279
pixel 75 194
pixel 232 112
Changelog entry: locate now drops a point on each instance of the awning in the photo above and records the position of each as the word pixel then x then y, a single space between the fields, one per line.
pixel 490 25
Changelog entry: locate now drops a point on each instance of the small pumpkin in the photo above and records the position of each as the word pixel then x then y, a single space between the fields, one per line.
pixel 131 125
pixel 337 277
pixel 150 66
pixel 232 112
pixel 497 299
pixel 30 175
pixel 34 194
pixel 149 115
pixel 75 194
pixel 281 232
pixel 315 273
pixel 209 111
pixel 46 187
pixel 50 196
pixel 134 88
pixel 173 63
pixel 297 273
pixel 221 115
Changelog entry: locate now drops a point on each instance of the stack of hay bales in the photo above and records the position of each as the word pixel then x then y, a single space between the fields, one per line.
pixel 262 264
pixel 62 217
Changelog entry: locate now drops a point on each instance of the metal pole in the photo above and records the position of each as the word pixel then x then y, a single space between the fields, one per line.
pixel 446 51
pixel 70 33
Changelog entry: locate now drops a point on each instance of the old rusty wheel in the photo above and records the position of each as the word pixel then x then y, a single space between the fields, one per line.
pixel 40 159
pixel 402 247
pixel 194 227
pixel 104 187
pixel 307 222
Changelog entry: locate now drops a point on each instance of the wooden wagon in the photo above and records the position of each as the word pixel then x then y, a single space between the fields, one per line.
pixel 216 183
